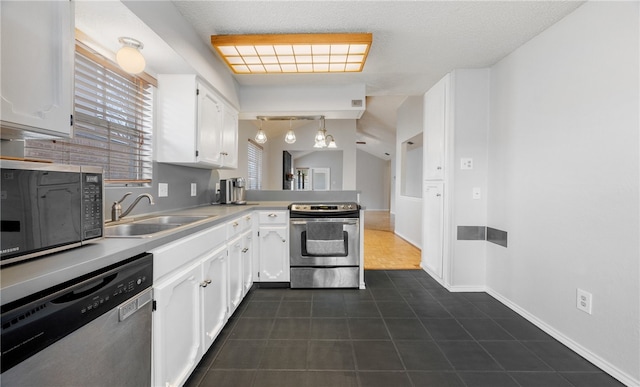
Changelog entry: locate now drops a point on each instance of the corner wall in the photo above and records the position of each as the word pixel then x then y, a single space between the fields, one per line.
pixel 564 182
pixel 408 210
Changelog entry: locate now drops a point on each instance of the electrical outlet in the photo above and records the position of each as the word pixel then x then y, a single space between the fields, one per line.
pixel 163 190
pixel 584 300
pixel 466 163
pixel 194 189
pixel 477 193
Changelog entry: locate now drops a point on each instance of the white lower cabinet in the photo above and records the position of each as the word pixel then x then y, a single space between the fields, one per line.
pixel 235 273
pixel 177 341
pixel 215 291
pixel 247 261
pixel 274 253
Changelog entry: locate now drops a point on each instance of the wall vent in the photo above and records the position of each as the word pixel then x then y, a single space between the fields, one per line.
pixel 356 103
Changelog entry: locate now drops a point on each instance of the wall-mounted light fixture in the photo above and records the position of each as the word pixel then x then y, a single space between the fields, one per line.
pixel 129 57
pixel 293 53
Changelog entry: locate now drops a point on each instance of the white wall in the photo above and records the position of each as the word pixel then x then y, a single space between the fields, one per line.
pixel 470 121
pixel 372 180
pixel 408 220
pixel 564 182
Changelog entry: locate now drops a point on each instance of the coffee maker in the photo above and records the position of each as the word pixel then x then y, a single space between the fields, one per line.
pixel 238 187
pixel 232 191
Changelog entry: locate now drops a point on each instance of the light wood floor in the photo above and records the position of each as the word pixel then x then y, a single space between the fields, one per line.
pixel 383 249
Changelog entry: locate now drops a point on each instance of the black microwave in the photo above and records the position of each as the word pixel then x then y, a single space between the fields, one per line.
pixel 46 208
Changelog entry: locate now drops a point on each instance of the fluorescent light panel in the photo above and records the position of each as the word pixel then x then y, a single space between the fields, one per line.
pixel 293 53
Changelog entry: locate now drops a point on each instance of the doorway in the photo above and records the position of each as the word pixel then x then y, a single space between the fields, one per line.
pixel 383 249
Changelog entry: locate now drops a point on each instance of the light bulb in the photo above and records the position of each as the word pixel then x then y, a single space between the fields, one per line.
pixel 129 57
pixel 261 137
pixel 290 138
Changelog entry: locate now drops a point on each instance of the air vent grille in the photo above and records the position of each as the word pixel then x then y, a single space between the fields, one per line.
pixel 356 103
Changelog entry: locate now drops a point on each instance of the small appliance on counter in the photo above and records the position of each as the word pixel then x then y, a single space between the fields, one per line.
pixel 232 191
pixel 48 208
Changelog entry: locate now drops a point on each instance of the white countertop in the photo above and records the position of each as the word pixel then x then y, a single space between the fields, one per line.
pixel 28 277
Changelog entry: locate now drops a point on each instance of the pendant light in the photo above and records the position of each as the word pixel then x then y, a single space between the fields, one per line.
pixel 320 139
pixel 129 57
pixel 260 137
pixel 290 137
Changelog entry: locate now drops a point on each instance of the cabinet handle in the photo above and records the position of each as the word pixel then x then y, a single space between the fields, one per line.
pixel 247 218
pixel 235 224
pixel 438 195
pixel 284 240
pixel 272 215
pixel 245 249
pixel 205 283
pixel 439 168
pixel 224 153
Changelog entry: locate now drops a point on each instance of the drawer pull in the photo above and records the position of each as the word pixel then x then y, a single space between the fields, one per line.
pixel 205 283
pixel 245 249
pixel 272 215
pixel 235 224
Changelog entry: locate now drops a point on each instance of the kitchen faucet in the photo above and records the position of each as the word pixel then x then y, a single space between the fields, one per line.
pixel 116 208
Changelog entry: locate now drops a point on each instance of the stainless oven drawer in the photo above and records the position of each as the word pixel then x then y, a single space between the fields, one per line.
pixel 325 277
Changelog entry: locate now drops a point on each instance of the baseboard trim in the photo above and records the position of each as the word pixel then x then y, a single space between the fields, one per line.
pixel 601 363
pixel 607 367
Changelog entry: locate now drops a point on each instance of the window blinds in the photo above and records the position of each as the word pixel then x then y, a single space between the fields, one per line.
pixel 113 117
pixel 254 172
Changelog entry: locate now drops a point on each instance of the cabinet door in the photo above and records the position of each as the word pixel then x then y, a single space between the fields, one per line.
pixel 247 261
pixel 37 65
pixel 433 227
pixel 435 121
pixel 176 327
pixel 274 254
pixel 235 273
pixel 229 138
pixel 214 288
pixel 209 147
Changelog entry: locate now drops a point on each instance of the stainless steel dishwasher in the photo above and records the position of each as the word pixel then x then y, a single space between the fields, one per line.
pixel 94 330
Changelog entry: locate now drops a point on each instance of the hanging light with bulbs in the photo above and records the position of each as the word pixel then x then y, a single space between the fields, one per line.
pixel 322 139
pixel 290 137
pixel 129 57
pixel 260 137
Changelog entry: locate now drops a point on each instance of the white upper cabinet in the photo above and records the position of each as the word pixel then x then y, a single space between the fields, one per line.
pixel 435 125
pixel 37 68
pixel 195 127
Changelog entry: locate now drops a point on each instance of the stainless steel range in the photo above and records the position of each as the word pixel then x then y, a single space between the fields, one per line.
pixel 325 245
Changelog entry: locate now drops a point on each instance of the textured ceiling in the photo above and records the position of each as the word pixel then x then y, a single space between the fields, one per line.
pixel 415 43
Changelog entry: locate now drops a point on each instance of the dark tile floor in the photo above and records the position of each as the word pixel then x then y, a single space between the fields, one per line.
pixel 403 330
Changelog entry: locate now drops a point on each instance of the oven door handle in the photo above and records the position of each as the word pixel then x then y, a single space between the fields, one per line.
pixel 298 222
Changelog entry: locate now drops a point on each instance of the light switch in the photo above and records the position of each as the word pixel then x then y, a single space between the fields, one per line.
pixel 194 189
pixel 466 163
pixel 163 190
pixel 477 193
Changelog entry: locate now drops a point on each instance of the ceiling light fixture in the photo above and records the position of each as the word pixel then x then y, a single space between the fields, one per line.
pixel 260 137
pixel 293 53
pixel 129 57
pixel 322 137
pixel 290 137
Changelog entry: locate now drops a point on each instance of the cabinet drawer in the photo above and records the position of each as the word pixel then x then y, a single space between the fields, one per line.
pixel 171 256
pixel 238 226
pixel 273 217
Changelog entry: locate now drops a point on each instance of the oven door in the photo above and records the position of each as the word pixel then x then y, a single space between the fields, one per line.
pixel 324 242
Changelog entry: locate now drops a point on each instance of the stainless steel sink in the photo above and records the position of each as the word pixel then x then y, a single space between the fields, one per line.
pixel 171 219
pixel 146 227
pixel 136 229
